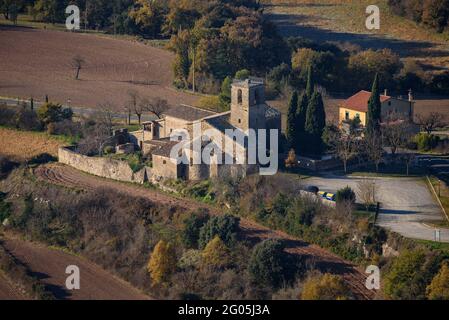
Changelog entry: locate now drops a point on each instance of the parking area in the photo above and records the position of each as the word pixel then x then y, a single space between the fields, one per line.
pixel 407 203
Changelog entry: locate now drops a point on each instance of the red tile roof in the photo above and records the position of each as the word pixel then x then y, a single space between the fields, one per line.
pixel 359 101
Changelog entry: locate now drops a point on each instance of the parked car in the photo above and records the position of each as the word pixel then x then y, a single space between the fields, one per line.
pixel 322 194
pixel 312 189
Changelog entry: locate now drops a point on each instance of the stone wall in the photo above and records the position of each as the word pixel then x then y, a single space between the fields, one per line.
pixel 103 167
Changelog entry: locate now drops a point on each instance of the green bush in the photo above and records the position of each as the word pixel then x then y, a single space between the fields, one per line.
pixel 410 274
pixel 426 142
pixel 52 112
pixel 267 263
pixel 226 227
pixel 192 226
pixel 201 191
pixel 345 194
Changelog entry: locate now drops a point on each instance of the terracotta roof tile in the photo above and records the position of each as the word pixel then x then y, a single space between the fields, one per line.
pixel 359 101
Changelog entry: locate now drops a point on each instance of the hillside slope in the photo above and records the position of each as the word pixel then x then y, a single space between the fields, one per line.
pixel 344 21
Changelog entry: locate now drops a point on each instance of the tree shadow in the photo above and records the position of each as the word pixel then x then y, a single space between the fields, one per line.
pixel 289 25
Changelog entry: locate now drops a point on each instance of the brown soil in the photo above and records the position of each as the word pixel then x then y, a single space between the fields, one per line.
pixel 36 62
pixel 49 266
pixel 324 260
pixel 7 290
pixel 23 145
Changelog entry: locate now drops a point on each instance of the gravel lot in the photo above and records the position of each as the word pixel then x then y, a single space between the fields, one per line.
pixel 406 204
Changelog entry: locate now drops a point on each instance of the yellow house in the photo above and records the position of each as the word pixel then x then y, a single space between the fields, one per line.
pixel 357 107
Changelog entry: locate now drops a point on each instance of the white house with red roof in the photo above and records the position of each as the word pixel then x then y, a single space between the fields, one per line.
pixel 357 107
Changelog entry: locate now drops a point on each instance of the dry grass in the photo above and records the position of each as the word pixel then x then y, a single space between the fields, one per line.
pixel 344 20
pixel 22 145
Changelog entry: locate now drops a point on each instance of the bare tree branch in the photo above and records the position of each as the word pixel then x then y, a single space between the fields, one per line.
pixel 77 64
pixel 431 121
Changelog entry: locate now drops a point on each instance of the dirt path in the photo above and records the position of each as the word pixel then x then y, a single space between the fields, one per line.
pixel 7 291
pixel 49 266
pixel 323 260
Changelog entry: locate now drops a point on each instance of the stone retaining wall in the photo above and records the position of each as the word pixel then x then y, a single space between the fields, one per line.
pixel 103 167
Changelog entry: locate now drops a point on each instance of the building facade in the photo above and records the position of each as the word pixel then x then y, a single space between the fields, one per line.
pixel 393 109
pixel 248 111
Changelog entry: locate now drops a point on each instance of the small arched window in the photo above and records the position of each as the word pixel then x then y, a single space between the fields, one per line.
pixel 239 97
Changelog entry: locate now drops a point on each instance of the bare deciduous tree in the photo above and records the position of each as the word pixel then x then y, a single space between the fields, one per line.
pixel 367 191
pixel 77 64
pixel 93 138
pixel 408 158
pixel 396 135
pixel 431 121
pixel 374 149
pixel 157 106
pixel 105 116
pixel 344 146
pixel 133 104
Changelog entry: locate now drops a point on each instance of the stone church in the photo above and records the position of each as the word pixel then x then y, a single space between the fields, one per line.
pixel 248 111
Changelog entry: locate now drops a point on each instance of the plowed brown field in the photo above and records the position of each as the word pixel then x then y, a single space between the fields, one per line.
pixel 36 62
pixel 49 266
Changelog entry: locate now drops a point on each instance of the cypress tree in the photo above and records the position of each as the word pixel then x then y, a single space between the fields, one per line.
pixel 310 87
pixel 374 108
pixel 301 114
pixel 292 130
pixel 315 123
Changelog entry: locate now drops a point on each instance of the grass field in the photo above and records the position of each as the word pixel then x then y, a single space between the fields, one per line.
pixel 23 145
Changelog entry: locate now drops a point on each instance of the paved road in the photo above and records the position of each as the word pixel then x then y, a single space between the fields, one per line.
pixel 406 204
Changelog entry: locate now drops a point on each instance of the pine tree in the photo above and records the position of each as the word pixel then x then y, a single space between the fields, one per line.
pixel 292 133
pixel 162 262
pixel 315 124
pixel 374 108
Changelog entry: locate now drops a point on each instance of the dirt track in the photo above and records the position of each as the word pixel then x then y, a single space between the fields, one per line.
pixel 49 266
pixel 323 260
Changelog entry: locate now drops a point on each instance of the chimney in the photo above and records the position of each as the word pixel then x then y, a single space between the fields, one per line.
pixel 410 95
pixel 386 92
